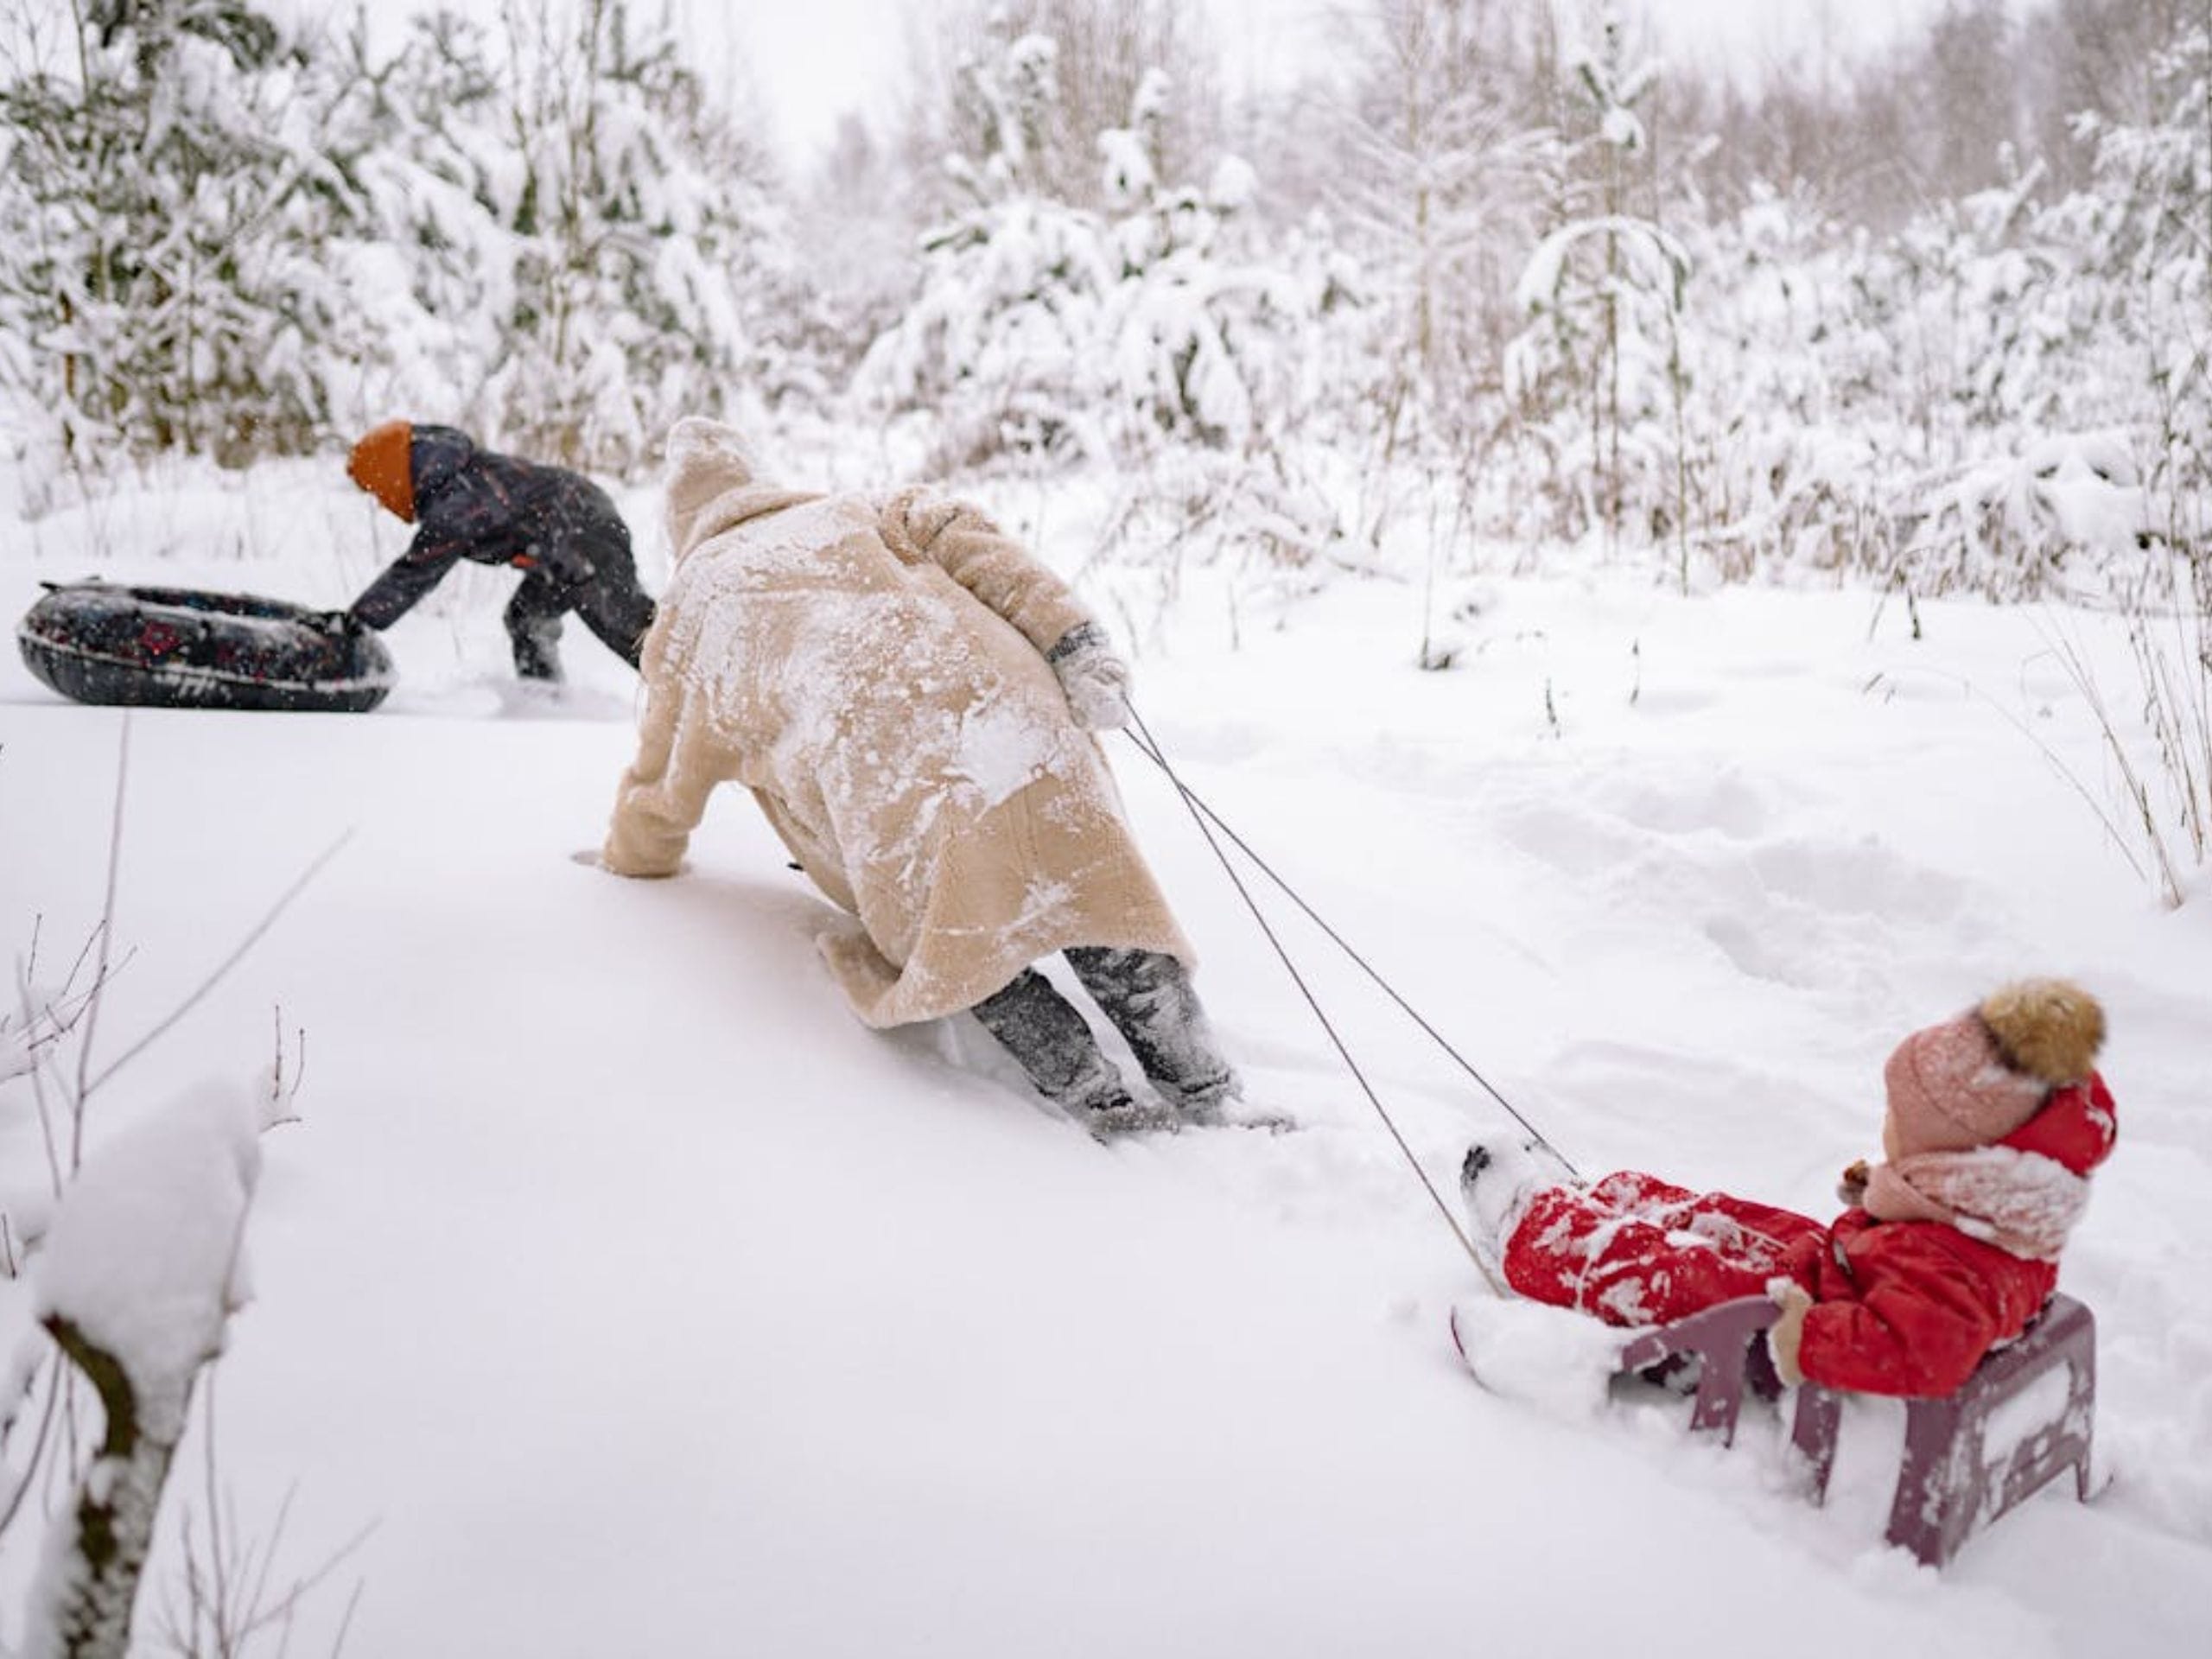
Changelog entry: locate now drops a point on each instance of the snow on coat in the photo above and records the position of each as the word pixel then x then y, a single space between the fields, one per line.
pixel 1905 1307
pixel 872 669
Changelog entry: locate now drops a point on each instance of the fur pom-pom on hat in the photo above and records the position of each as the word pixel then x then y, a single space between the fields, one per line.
pixel 1974 1080
pixel 2051 1029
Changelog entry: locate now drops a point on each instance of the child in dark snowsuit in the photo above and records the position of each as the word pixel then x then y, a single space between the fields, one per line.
pixel 1950 1248
pixel 556 527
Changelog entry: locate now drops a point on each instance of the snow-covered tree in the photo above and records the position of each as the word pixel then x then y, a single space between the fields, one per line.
pixel 160 285
pixel 1598 373
pixel 2146 224
pixel 420 135
pixel 1021 88
pixel 641 213
pixel 1045 327
pixel 239 242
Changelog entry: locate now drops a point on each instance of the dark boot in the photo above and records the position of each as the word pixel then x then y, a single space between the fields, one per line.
pixel 533 622
pixel 1042 1030
pixel 1150 1001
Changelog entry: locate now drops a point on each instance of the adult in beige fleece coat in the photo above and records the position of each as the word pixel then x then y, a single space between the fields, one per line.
pixel 904 690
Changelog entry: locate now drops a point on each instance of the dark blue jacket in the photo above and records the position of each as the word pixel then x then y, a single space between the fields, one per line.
pixel 473 504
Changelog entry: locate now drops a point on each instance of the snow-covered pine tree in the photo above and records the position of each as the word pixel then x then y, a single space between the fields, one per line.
pixel 419 134
pixel 560 239
pixel 645 224
pixel 1200 342
pixel 2145 222
pixel 997 344
pixel 1045 328
pixel 1598 373
pixel 166 200
pixel 1038 118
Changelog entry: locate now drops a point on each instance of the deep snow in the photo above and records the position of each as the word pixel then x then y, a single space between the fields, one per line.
pixel 644 1302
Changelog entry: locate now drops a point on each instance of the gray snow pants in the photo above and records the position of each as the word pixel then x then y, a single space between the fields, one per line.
pixel 1149 998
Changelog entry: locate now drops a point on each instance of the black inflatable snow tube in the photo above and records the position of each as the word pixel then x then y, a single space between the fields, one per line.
pixel 179 648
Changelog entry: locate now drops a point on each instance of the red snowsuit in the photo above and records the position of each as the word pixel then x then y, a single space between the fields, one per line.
pixel 1902 1307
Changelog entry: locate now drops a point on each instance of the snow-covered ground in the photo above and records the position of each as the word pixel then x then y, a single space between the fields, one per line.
pixel 644 1302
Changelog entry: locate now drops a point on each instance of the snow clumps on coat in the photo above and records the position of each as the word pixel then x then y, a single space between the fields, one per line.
pixel 872 669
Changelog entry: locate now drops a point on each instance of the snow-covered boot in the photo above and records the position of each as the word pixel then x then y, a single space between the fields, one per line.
pixel 1499 1179
pixel 1042 1032
pixel 1150 999
pixel 533 622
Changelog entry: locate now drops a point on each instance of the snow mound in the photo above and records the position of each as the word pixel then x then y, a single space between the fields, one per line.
pixel 1557 1360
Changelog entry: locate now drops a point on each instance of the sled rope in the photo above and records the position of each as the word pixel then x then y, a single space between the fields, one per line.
pixel 1199 815
pixel 1149 747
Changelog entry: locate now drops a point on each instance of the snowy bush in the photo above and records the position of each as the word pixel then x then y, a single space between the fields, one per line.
pixel 137 1278
pixel 562 242
pixel 1047 329
pixel 640 226
pixel 1597 376
pixel 1597 373
pixel 168 203
pixel 2008 395
pixel 2145 224
pixel 238 243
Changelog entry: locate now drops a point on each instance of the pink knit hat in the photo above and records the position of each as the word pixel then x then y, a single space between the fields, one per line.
pixel 1975 1079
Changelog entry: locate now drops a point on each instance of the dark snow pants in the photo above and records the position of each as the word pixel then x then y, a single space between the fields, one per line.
pixel 1149 998
pixel 597 578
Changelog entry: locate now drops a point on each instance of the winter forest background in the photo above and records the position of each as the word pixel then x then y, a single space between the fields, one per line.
pixel 1936 317
pixel 1933 317
pixel 1496 290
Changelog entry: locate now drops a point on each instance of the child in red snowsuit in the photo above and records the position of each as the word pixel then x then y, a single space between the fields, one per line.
pixel 1950 1247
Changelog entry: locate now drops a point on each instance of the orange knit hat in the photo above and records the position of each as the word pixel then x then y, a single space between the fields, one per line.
pixel 382 464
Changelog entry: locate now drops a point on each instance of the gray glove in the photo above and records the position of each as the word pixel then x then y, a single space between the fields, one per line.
pixel 1095 681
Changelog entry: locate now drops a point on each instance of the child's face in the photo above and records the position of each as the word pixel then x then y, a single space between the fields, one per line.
pixel 1890 1138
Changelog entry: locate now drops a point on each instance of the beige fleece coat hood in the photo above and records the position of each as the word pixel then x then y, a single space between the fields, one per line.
pixel 872 669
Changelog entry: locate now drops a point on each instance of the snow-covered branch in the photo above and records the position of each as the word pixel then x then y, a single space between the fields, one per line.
pixel 140 1273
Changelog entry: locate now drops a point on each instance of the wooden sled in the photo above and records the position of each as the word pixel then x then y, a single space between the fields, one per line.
pixel 1948 1482
pixel 179 648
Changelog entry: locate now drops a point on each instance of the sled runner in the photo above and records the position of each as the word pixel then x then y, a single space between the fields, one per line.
pixel 1951 1479
pixel 179 648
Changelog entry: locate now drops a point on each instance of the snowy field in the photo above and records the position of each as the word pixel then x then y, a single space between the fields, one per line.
pixel 641 1301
